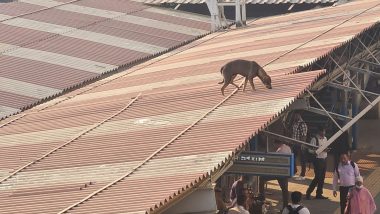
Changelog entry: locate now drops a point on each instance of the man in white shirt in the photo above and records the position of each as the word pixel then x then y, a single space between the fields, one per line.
pixel 295 206
pixel 319 166
pixel 344 175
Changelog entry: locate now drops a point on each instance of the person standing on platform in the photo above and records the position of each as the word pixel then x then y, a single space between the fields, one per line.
pixel 299 132
pixel 319 166
pixel 344 175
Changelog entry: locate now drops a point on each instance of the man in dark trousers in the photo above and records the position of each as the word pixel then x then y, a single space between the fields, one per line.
pixel 282 181
pixel 319 166
pixel 299 132
pixel 344 175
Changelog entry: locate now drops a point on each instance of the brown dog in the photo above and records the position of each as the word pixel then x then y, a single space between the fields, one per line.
pixel 248 69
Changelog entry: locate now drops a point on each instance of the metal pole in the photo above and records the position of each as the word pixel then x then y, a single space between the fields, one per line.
pixel 244 12
pixel 350 88
pixel 350 79
pixel 320 105
pixel 354 129
pixel 288 139
pixel 348 125
pixel 369 51
pixel 237 13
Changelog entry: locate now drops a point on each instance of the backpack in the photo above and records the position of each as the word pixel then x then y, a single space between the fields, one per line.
pixel 336 168
pixel 294 211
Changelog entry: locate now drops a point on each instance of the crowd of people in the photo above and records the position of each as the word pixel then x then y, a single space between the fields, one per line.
pixel 354 197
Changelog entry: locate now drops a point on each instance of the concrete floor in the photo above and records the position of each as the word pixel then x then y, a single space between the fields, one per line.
pixel 369 165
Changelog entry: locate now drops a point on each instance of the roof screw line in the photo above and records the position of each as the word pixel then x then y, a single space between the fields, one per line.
pixel 70 141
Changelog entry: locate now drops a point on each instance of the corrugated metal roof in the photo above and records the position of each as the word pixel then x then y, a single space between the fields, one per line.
pixel 49 46
pixel 247 1
pixel 134 141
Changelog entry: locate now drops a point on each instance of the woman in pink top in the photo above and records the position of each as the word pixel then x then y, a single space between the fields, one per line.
pixel 360 200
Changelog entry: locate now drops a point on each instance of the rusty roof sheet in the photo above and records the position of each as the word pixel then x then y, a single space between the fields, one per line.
pixel 132 142
pixel 47 47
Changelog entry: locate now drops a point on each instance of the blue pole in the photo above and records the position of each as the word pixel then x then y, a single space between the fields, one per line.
pixel 354 129
pixel 292 165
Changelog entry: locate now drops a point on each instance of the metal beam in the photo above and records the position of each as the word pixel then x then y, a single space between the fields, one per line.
pixel 323 108
pixel 227 3
pixel 363 71
pixel 350 88
pixel 348 125
pixel 321 112
pixel 288 139
pixel 369 51
pixel 369 63
pixel 337 72
pixel 348 77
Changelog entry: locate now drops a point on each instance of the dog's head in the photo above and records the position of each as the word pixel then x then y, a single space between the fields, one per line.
pixel 267 82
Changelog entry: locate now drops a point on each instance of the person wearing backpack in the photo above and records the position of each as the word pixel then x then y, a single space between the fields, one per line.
pixel 295 207
pixel 344 175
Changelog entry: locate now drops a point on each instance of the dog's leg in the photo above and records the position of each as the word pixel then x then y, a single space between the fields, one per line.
pixel 227 80
pixel 223 87
pixel 251 82
pixel 245 83
pixel 221 82
pixel 232 81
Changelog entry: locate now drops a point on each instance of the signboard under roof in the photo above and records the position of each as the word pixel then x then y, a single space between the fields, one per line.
pixel 263 164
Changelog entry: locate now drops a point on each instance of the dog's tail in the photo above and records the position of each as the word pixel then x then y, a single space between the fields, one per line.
pixel 221 72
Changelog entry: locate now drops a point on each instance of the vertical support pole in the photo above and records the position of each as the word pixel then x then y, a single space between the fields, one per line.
pixel 361 81
pixel 244 12
pixel 344 110
pixel 222 16
pixel 355 109
pixel 214 12
pixel 354 129
pixel 366 77
pixel 238 13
